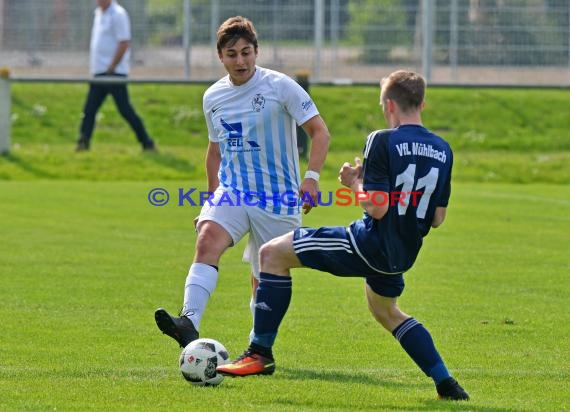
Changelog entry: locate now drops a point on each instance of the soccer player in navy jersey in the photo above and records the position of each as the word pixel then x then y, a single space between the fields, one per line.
pixel 252 167
pixel 404 184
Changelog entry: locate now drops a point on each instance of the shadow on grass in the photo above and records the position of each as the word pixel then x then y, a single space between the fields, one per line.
pixel 27 166
pixel 367 378
pixel 439 405
pixel 337 376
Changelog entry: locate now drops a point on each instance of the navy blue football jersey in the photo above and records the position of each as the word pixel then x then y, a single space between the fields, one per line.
pixel 413 166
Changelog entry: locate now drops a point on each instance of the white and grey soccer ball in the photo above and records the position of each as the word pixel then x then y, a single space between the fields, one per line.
pixel 198 362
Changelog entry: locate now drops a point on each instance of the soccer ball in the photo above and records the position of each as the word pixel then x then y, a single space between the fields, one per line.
pixel 198 362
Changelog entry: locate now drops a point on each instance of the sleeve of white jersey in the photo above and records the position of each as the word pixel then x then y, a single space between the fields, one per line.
pixel 297 101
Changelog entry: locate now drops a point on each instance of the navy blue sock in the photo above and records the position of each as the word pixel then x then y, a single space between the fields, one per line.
pixel 418 344
pixel 271 302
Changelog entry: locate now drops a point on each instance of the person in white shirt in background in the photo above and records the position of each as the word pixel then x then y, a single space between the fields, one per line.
pixel 110 56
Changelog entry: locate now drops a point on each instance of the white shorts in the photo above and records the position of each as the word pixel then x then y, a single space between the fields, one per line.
pixel 239 220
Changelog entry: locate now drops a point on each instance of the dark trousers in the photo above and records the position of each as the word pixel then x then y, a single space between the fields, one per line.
pixel 95 98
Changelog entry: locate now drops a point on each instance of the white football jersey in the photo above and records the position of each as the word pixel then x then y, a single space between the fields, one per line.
pixel 255 125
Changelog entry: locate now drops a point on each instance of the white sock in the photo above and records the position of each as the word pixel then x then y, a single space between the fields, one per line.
pixel 200 284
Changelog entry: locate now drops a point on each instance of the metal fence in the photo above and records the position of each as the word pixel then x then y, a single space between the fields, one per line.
pixel 504 42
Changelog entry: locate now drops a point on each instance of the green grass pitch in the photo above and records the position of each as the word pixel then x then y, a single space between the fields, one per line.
pixel 83 265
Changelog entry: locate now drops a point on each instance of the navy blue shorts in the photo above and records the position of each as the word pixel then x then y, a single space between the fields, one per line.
pixel 328 249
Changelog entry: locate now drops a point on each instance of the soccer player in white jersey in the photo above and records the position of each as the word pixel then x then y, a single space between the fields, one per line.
pixel 252 166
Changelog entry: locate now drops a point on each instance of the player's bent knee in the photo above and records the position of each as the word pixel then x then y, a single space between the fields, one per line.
pixel 266 254
pixel 210 245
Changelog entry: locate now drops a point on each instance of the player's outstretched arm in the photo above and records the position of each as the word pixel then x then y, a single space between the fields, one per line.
pixel 351 177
